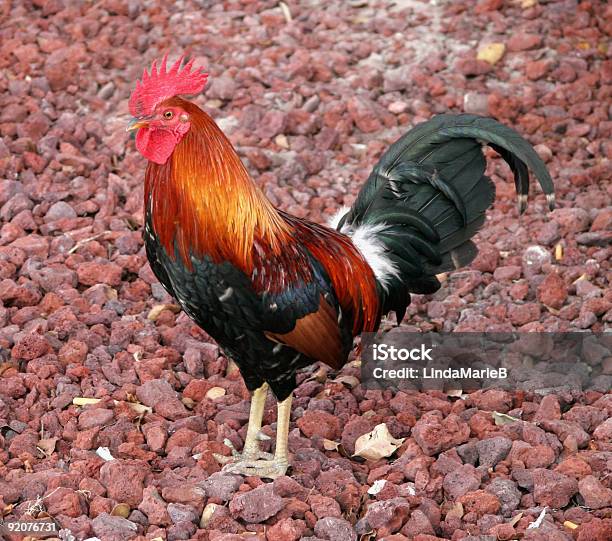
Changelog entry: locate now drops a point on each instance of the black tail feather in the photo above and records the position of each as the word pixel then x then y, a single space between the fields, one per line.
pixel 430 191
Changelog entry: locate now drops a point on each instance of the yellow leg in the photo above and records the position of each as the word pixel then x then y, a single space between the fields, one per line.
pixel 282 431
pixel 269 467
pixel 258 402
pixel 251 450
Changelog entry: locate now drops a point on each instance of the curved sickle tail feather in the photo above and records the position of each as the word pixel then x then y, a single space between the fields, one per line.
pixel 427 197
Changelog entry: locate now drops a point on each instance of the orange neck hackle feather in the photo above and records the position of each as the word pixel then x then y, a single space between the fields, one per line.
pixel 204 202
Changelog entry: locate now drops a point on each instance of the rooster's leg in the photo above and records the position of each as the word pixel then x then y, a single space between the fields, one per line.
pixel 278 465
pixel 250 451
pixel 251 443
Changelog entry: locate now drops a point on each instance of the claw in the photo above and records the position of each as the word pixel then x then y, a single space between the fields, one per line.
pixel 242 457
pixel 222 459
pixel 270 469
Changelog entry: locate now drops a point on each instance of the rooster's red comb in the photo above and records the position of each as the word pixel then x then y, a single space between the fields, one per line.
pixel 162 84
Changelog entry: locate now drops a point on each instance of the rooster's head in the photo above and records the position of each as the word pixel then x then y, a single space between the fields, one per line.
pixel 162 122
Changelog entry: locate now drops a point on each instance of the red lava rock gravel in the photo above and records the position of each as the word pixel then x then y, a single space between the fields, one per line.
pixel 310 94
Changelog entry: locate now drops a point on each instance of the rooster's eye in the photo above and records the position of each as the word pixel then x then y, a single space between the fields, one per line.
pixel 168 115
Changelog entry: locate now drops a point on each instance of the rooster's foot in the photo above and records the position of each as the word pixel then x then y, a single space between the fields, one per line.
pixel 237 457
pixel 270 468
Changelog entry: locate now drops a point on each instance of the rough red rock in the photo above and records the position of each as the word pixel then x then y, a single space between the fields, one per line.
pixel 73 351
pixel 319 423
pixel 552 488
pixel 552 291
pixel 435 434
pixel 573 467
pixel 154 507
pixel 286 529
pixel 333 529
pixel 352 430
pixel 388 515
pixel 91 273
pixel 480 502
pixel 506 492
pixel 492 400
pixel 113 528
pixel 256 505
pixel 461 480
pixel 493 450
pixel 65 501
pixel 417 523
pixel 595 494
pixel 324 506
pixel 124 480
pixel 604 431
pixel 31 346
pixel 160 395
pixel 595 530
pixel 92 417
pixel 522 41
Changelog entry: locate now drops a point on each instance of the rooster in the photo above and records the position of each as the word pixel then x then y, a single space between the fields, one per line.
pixel 278 292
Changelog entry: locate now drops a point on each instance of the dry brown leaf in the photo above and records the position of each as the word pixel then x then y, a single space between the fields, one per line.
pixel 47 446
pixel 232 368
pixel 4 367
pixel 515 519
pixel 215 392
pixel 377 444
pixel 502 419
pixel 456 510
pixel 581 277
pixel 330 445
pixel 559 252
pixel 7 509
pixel 138 407
pixel 156 311
pixel 552 310
pixel 84 401
pixel 350 381
pixel 571 525
pixel 320 375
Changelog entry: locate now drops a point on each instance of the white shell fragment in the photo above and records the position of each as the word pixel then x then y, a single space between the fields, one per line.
pixel 104 453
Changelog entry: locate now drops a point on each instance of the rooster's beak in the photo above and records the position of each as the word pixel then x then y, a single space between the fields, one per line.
pixel 136 123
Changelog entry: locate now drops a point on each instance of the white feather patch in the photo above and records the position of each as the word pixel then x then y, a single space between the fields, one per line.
pixel 365 238
pixel 335 219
